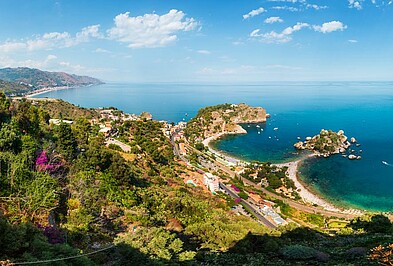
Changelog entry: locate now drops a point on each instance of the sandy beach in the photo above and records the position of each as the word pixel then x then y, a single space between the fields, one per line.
pixel 306 195
pixel 45 90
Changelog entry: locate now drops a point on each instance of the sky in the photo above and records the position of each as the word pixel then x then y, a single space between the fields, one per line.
pixel 246 41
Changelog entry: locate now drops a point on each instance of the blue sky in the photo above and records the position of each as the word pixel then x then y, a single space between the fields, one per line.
pixel 201 41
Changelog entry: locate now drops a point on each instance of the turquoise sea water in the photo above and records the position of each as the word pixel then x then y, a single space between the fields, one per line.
pixel 363 110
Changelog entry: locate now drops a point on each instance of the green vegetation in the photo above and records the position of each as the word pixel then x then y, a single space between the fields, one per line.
pixel 13 88
pixel 64 193
pixel 220 118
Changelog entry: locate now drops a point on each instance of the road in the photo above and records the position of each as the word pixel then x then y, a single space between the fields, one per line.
pixel 291 203
pixel 260 217
pixel 124 147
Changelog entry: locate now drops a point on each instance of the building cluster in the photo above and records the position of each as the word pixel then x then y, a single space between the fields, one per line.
pixel 116 115
pixel 170 128
pixel 265 207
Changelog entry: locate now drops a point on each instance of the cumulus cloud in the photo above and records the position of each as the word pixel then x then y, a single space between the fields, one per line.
pixel 271 20
pixel 286 35
pixel 330 27
pixel 356 4
pixel 52 40
pixel 281 37
pixel 254 13
pixel 353 41
pixel 150 30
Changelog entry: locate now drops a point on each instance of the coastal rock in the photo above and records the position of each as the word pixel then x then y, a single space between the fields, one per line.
pixel 353 140
pixel 299 145
pixel 326 143
pixel 352 157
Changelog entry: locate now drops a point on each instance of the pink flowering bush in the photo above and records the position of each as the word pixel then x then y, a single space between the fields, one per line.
pixel 42 163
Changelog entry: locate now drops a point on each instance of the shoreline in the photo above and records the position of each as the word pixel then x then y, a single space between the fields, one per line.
pixel 307 195
pixel 45 90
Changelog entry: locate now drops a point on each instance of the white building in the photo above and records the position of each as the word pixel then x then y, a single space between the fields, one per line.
pixel 211 182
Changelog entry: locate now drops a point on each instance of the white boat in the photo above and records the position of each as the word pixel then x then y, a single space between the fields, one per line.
pixel 385 163
pixel 276 128
pixel 258 126
pixel 259 132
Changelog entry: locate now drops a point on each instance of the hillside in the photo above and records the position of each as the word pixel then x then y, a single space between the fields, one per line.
pixel 41 79
pixel 224 118
pixel 64 193
pixel 13 88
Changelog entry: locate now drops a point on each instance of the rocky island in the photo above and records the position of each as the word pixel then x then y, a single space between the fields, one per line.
pixel 326 143
pixel 223 119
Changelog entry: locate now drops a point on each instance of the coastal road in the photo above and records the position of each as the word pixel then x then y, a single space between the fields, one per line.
pixel 291 203
pixel 260 217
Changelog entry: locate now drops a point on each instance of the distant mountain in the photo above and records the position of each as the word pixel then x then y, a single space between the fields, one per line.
pixel 36 79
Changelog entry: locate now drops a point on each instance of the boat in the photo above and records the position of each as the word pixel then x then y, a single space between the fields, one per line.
pixel 258 126
pixel 276 128
pixel 385 163
pixel 259 132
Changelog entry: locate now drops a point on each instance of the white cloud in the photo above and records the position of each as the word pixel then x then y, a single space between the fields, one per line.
pixel 52 40
pixel 203 52
pixel 100 50
pixel 274 37
pixel 288 8
pixel 353 41
pixel 316 7
pixel 11 46
pixel 254 13
pixel 330 27
pixel 150 30
pixel 272 20
pixel 89 32
pixel 356 4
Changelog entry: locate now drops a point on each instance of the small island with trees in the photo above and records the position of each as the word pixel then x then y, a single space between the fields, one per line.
pixel 326 143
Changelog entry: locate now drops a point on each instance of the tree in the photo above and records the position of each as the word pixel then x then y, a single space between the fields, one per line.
pixel 9 138
pixel 81 130
pixel 66 142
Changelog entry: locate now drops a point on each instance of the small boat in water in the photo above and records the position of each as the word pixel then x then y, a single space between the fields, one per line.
pixel 258 126
pixel 385 163
pixel 276 128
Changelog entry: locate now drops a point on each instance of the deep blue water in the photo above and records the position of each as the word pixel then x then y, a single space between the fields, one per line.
pixel 363 110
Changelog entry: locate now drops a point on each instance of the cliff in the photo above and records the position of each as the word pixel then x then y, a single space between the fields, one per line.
pixel 224 118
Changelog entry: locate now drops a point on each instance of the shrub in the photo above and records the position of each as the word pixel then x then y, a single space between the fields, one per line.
pixel 298 252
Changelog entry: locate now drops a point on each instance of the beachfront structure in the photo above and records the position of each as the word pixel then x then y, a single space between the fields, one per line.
pixel 210 181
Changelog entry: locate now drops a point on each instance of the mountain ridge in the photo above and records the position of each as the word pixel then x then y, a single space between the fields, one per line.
pixel 37 79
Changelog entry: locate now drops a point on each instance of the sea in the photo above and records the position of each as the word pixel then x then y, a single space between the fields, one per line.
pixel 364 110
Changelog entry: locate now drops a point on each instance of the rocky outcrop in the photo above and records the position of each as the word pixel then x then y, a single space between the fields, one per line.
pixel 326 143
pixel 224 118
